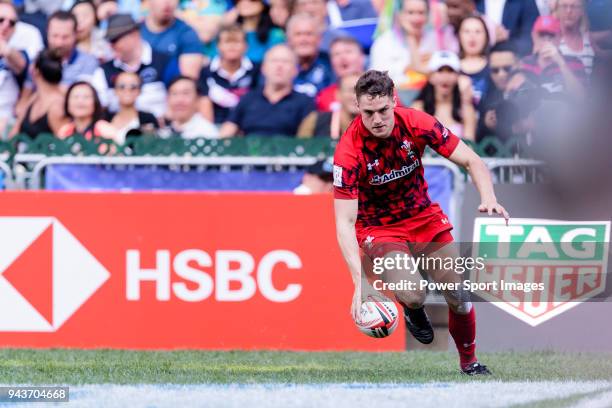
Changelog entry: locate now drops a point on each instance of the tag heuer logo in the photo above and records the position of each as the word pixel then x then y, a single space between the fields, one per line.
pixel 567 258
pixel 46 274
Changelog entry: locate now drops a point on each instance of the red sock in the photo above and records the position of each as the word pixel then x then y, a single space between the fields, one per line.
pixel 463 330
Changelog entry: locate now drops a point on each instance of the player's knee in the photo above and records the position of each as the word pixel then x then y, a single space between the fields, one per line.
pixel 413 299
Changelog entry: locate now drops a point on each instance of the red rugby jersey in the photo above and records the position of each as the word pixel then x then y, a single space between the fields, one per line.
pixel 386 175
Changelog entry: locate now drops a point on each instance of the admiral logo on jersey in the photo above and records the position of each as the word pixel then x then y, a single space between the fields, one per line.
pixel 394 174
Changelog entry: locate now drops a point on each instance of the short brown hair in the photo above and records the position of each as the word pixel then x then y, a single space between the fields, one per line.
pixel 374 83
pixel 232 29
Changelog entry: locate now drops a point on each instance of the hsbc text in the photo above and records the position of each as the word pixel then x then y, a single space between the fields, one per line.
pixel 237 277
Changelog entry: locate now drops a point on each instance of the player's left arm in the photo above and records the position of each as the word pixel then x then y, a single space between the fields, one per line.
pixel 465 157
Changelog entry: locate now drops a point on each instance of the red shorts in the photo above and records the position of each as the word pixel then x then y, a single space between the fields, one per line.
pixel 415 234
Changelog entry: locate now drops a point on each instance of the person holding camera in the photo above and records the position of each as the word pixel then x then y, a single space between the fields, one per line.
pixel 547 67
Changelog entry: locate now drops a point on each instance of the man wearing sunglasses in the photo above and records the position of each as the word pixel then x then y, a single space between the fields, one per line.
pixel 13 64
pixel 503 62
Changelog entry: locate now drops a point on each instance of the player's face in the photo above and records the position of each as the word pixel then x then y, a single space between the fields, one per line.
pixel 377 114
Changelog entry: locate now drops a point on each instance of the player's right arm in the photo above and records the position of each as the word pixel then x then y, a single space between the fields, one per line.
pixel 346 215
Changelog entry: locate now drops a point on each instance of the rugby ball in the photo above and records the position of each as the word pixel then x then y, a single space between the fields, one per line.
pixel 378 318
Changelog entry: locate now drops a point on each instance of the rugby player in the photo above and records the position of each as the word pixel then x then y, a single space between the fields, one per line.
pixel 382 205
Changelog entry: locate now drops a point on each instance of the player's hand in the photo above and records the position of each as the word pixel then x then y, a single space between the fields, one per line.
pixel 494 207
pixel 356 305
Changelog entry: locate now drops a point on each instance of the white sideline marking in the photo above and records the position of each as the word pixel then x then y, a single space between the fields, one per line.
pixel 435 395
pixel 603 400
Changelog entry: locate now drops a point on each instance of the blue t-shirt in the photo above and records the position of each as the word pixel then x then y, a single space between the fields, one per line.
pixel 480 84
pixel 256 115
pixel 318 76
pixel 177 40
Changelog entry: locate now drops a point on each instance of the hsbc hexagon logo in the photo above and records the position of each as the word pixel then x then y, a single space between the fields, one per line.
pixel 46 274
pixel 541 268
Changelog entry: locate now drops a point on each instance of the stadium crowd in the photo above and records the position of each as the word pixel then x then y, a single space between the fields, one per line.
pixel 222 68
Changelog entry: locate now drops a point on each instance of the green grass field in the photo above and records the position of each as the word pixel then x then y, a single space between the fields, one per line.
pixel 196 367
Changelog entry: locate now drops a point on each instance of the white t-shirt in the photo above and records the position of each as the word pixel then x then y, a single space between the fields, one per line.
pixel 198 126
pixel 494 9
pixel 27 38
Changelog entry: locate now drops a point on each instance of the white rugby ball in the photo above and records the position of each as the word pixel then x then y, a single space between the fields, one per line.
pixel 378 318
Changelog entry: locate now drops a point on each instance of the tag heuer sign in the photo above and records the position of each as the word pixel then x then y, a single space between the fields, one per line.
pixel 542 267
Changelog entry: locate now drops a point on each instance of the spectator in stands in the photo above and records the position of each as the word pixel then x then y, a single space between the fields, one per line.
pixel 28 38
pixel 448 96
pixel 474 45
pixel 275 109
pixel 317 9
pixel 261 34
pixel 547 67
pixel 317 179
pixel 206 18
pixel 575 39
pixel 333 123
pixel 129 121
pixel 408 47
pixel 84 111
pixel 347 58
pixel 279 12
pixel 183 116
pixel 76 65
pixel 340 11
pixel 132 54
pixel 458 10
pixel 229 76
pixel 503 62
pixel 105 9
pixel 13 65
pixel 600 30
pixel 62 37
pixel 304 37
pixel 44 112
pixel 170 35
pixel 90 39
pixel 513 20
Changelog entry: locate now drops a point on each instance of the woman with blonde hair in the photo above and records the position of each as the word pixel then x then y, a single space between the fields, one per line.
pixel 575 40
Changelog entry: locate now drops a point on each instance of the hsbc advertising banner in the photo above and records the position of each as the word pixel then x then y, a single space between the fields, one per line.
pixel 175 270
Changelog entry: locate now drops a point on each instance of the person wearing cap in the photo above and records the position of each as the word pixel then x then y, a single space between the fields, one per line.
pixel 447 95
pixel 168 34
pixel 546 66
pixel 133 54
pixel 317 179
